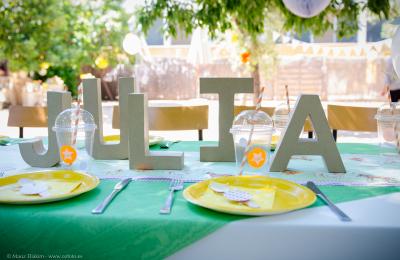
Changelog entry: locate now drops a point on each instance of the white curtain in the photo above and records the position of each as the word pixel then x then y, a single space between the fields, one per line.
pixel 199 50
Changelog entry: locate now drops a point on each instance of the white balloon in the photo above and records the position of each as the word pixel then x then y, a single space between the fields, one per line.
pixel 306 8
pixel 396 51
pixel 131 44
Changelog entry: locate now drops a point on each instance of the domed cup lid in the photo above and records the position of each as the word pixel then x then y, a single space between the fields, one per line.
pixel 66 121
pixel 282 112
pixel 249 118
pixel 388 112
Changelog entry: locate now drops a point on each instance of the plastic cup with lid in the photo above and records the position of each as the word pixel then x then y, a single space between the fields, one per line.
pixel 388 124
pixel 75 154
pixel 258 155
pixel 281 119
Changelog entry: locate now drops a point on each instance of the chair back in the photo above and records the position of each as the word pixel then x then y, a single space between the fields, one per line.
pixel 169 118
pixel 352 118
pixel 21 116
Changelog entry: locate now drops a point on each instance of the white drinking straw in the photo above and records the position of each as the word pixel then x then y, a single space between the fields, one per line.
pixel 287 98
pixel 392 110
pixel 393 106
pixel 77 113
pixel 258 107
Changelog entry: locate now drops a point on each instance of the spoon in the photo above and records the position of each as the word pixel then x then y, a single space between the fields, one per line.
pixel 234 194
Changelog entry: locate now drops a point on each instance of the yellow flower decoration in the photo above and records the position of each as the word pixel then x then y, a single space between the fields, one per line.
pixel 44 65
pixel 86 76
pixel 101 62
pixel 245 57
pixel 234 37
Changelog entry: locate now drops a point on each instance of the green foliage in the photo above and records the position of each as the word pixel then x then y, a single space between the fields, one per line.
pixel 68 74
pixel 215 15
pixel 249 15
pixel 67 34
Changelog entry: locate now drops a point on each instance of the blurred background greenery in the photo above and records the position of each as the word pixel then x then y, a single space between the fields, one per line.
pixel 61 37
pixel 67 38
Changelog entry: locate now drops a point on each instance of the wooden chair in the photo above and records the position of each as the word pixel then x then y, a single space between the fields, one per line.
pixel 172 118
pixel 351 118
pixel 20 116
pixel 268 110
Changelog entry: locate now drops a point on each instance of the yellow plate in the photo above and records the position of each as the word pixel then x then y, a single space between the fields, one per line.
pixel 274 196
pixel 59 178
pixel 116 138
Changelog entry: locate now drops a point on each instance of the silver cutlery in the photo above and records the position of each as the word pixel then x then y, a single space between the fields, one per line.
pixel 117 188
pixel 175 185
pixel 342 216
pixel 167 145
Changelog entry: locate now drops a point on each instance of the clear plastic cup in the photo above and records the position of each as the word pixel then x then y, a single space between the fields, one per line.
pixel 75 155
pixel 258 156
pixel 388 124
pixel 281 120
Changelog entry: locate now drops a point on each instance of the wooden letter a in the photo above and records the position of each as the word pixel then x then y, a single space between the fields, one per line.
pixel 291 144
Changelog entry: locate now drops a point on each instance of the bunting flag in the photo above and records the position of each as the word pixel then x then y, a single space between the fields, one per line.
pixel 275 36
pixel 295 46
pixel 336 51
pixel 310 50
pixel 285 39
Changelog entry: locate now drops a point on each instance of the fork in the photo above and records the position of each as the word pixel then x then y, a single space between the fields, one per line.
pixel 175 185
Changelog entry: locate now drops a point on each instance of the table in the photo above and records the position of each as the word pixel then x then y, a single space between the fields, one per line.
pixel 131 227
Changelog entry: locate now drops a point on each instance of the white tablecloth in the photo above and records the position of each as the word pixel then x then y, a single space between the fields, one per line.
pixel 314 233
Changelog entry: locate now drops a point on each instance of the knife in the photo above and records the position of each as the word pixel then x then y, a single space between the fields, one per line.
pixel 117 188
pixel 343 217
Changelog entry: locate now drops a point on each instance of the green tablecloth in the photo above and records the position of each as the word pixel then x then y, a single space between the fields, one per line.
pixel 344 148
pixel 131 227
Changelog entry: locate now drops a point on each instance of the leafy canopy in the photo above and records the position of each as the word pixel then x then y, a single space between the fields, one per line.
pixel 249 15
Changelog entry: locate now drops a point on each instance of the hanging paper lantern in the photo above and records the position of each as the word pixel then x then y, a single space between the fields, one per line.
pixel 131 44
pixel 306 8
pixel 396 51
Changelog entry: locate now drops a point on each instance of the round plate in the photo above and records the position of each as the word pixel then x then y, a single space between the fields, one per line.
pixel 61 178
pixel 275 196
pixel 116 138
